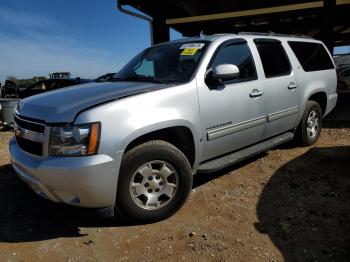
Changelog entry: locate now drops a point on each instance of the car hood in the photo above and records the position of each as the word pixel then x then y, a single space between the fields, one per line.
pixel 63 105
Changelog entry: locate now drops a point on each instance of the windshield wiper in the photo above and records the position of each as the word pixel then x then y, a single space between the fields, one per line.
pixel 116 79
pixel 139 78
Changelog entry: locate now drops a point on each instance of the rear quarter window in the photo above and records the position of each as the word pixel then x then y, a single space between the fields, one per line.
pixel 311 56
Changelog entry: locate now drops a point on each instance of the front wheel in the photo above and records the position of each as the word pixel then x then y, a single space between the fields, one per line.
pixel 310 126
pixel 154 182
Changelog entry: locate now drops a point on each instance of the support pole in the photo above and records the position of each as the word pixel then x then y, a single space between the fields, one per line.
pixel 327 34
pixel 143 17
pixel 161 31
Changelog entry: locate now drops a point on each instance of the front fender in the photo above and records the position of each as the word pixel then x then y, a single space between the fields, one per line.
pixel 162 125
pixel 125 120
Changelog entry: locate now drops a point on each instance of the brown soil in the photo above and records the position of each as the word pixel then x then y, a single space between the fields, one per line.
pixel 289 204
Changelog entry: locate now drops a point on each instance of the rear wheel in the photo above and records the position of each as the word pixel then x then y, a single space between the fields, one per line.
pixel 310 126
pixel 155 181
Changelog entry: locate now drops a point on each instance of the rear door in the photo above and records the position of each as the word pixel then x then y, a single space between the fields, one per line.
pixel 280 87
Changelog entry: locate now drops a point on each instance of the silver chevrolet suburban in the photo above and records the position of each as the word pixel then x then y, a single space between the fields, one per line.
pixel 176 109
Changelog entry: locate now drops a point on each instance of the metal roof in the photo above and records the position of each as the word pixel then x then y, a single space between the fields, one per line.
pixel 245 35
pixel 320 19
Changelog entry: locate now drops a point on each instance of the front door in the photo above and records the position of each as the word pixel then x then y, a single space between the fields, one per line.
pixel 232 112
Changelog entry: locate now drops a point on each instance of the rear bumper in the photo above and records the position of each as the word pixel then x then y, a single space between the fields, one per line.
pixel 80 181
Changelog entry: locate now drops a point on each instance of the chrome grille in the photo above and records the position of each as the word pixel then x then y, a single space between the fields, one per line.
pixel 29 135
pixel 29 125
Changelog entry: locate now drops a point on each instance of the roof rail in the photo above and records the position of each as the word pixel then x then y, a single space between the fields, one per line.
pixel 273 34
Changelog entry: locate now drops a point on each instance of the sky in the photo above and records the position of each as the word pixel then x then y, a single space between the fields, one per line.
pixel 86 37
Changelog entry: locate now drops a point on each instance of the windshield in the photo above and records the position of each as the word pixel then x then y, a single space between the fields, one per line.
pixel 169 63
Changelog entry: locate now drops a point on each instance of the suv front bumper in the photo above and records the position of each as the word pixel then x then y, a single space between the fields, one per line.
pixel 89 181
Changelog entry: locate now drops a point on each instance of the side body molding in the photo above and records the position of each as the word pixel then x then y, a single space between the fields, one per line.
pixel 230 129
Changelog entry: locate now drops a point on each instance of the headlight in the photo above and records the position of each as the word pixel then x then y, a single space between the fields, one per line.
pixel 74 140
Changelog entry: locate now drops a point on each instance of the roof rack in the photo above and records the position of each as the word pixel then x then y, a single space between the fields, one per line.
pixel 273 34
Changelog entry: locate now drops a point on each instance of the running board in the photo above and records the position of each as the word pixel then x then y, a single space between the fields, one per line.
pixel 233 158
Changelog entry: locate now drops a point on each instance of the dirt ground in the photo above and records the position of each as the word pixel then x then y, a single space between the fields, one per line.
pixel 289 204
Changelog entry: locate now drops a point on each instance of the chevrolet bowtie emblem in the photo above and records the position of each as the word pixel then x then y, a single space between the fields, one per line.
pixel 19 131
pixel 153 185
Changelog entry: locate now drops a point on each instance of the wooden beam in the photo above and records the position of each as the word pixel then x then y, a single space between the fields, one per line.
pixel 252 12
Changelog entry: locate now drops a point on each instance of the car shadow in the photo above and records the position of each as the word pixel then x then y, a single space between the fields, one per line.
pixel 203 178
pixel 24 216
pixel 305 206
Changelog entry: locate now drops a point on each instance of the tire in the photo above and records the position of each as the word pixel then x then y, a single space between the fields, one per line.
pixel 141 199
pixel 308 134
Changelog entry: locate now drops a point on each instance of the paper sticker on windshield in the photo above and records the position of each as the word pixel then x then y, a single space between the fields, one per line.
pixel 192 45
pixel 189 51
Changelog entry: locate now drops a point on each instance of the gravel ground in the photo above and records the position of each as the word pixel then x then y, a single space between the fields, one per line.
pixel 289 204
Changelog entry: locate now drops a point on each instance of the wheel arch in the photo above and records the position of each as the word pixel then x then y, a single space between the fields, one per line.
pixel 180 135
pixel 321 98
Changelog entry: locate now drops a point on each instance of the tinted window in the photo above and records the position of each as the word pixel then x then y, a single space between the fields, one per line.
pixel 311 56
pixel 273 57
pixel 237 54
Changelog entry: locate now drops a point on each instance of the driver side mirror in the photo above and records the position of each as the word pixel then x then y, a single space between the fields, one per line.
pixel 225 72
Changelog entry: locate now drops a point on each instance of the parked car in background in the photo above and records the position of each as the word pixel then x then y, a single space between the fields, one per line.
pixel 50 84
pixel 344 79
pixel 9 90
pixel 9 98
pixel 342 67
pixel 12 89
pixel 12 93
pixel 105 78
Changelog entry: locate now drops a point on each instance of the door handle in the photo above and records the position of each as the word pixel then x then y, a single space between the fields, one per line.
pixel 256 93
pixel 292 86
